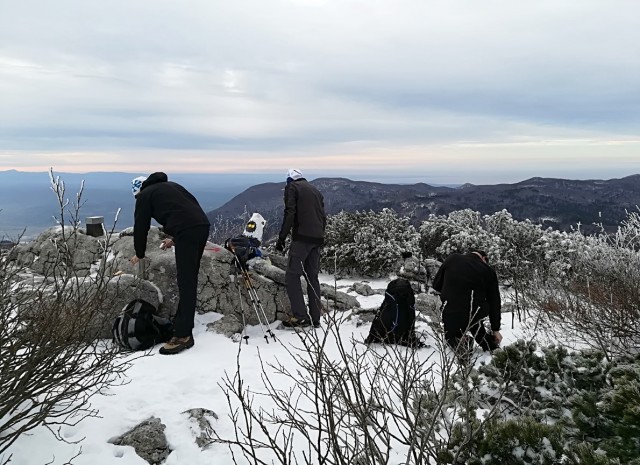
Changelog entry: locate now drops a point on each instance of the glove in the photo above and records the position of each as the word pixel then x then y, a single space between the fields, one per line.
pixel 280 245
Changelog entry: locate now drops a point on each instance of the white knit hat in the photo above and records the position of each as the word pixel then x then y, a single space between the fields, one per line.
pixel 294 174
pixel 136 184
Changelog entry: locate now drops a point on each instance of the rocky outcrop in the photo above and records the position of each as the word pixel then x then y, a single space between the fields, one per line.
pixel 101 267
pixel 429 306
pixel 58 249
pixel 221 287
pixel 148 440
pixel 338 299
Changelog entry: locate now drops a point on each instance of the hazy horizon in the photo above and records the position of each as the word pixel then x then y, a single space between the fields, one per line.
pixel 260 177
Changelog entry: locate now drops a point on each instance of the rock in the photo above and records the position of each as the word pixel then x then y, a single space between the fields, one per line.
pixel 363 316
pixel 343 301
pixel 219 290
pixel 57 250
pixel 228 325
pixel 121 290
pixel 103 298
pixel 148 440
pixel 429 305
pixel 363 289
pixel 279 261
pixel 265 268
pixel 201 425
pixel 421 271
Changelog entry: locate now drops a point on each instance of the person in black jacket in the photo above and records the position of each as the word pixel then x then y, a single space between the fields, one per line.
pixel 305 218
pixel 469 292
pixel 183 219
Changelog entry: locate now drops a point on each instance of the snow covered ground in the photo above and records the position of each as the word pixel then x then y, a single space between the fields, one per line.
pixel 165 386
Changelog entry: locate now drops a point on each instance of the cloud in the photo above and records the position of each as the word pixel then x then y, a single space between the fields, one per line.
pixel 306 79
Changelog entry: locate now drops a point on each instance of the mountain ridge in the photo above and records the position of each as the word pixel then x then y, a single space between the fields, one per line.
pixel 556 202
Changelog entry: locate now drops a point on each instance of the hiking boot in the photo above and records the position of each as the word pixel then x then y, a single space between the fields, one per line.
pixel 177 345
pixel 295 322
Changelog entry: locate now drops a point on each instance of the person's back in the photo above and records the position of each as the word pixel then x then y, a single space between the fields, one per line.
pixel 469 292
pixel 305 218
pixel 169 204
pixel 463 276
pixel 183 219
pixel 304 212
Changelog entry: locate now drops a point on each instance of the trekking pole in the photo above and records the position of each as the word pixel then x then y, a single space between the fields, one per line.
pixel 247 285
pixel 244 322
pixel 255 301
pixel 254 292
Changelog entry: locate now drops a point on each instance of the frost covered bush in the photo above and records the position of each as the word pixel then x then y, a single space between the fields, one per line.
pixel 522 441
pixel 596 301
pixel 367 243
pixel 517 248
pixel 558 403
pixel 436 230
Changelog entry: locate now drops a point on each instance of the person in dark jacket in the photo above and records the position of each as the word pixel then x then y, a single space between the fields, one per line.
pixel 305 218
pixel 183 219
pixel 469 293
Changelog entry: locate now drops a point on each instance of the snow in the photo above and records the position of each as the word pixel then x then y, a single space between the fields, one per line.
pixel 166 386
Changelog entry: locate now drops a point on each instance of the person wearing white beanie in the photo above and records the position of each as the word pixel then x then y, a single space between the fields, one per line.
pixel 182 218
pixel 306 220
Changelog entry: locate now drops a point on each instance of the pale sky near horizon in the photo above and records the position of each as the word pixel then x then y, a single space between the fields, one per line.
pixel 438 91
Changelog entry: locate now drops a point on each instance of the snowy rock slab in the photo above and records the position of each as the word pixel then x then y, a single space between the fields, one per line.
pixel 200 419
pixel 148 440
pixel 429 305
pixel 228 325
pixel 57 248
pixel 363 289
pixel 342 300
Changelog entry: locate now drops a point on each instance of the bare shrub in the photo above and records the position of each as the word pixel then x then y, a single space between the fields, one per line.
pixel 224 228
pixel 596 302
pixel 50 366
pixel 349 403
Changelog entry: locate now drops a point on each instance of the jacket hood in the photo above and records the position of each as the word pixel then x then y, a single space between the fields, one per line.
pixel 154 178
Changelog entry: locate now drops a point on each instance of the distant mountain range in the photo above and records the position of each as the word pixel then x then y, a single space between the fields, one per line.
pixel 558 203
pixel 26 199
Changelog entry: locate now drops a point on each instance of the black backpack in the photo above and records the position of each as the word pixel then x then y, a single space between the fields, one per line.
pixel 139 328
pixel 243 247
pixel 395 321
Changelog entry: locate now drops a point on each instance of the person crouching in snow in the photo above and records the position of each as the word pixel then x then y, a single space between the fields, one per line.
pixel 183 219
pixel 469 293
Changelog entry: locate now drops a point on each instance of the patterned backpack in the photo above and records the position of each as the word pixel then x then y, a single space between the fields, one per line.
pixel 139 328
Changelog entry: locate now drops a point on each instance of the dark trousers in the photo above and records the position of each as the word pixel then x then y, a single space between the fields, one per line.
pixel 189 246
pixel 304 260
pixel 456 324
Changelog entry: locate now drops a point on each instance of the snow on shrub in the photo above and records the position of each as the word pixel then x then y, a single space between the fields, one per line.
pixel 367 243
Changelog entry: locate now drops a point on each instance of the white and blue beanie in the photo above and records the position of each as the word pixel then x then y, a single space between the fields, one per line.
pixel 136 184
pixel 294 174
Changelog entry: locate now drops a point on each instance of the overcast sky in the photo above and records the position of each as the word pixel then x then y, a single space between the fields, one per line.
pixel 438 91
